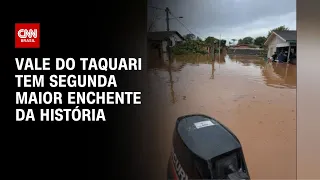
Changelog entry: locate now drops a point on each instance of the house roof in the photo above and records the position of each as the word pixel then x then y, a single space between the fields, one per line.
pixel 241 45
pixel 162 35
pixel 287 35
pixel 284 35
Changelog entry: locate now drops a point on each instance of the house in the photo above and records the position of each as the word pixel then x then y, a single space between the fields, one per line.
pixel 158 42
pixel 282 41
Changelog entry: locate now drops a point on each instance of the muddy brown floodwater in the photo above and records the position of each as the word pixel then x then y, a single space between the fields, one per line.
pixel 256 100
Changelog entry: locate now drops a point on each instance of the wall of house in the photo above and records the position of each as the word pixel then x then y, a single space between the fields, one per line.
pixel 272 46
pixel 281 43
pixel 164 46
pixel 165 55
pixel 274 43
pixel 176 37
pixel 279 40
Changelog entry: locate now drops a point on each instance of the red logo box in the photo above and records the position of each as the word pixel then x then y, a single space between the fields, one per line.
pixel 27 35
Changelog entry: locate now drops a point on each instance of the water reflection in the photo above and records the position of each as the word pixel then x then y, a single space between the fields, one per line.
pixel 280 75
pixel 248 60
pixel 252 69
pixel 272 74
pixel 212 69
pixel 173 99
pixel 254 99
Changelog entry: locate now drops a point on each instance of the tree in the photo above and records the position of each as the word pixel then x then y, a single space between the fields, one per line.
pixel 233 40
pixel 240 41
pixel 192 45
pixel 190 37
pixel 259 41
pixel 247 40
pixel 280 28
pixel 210 40
pixel 199 39
pixel 223 42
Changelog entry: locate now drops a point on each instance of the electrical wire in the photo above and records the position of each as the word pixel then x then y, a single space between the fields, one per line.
pixel 157 8
pixel 174 17
pixel 180 22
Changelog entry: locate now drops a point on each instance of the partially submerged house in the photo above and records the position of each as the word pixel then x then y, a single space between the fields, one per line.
pixel 282 41
pixel 159 41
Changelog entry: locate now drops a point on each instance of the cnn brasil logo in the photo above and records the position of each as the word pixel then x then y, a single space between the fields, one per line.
pixel 27 35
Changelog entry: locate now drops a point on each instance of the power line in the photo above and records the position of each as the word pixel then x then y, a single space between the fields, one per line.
pixel 156 8
pixel 175 17
pixel 153 21
pixel 182 23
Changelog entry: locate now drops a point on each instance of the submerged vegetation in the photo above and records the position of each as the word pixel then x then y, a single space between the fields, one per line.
pixel 195 45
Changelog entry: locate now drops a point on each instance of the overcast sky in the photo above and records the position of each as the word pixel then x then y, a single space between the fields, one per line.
pixel 233 19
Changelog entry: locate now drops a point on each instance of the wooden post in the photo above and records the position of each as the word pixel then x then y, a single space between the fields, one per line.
pixel 212 52
pixel 289 53
pixel 173 99
pixel 219 47
pixel 212 73
pixel 285 76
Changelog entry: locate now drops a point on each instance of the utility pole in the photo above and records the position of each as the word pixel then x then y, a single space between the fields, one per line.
pixel 167 18
pixel 213 51
pixel 168 40
pixel 219 47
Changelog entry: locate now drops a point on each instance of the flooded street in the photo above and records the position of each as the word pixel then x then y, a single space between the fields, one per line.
pixel 256 100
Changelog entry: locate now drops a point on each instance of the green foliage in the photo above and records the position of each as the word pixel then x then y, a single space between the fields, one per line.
pixel 210 40
pixel 223 42
pixel 190 37
pixel 247 40
pixel 280 28
pixel 198 39
pixel 195 45
pixel 190 46
pixel 259 41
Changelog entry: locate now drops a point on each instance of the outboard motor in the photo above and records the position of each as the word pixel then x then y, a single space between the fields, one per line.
pixel 205 149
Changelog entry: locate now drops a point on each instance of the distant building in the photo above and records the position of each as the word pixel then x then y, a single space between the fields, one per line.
pixel 244 46
pixel 281 41
pixel 245 49
pixel 163 37
pixel 241 46
pixel 158 43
